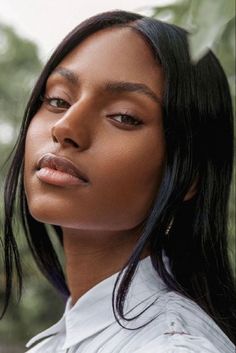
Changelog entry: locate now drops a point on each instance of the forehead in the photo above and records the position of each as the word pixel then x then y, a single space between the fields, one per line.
pixel 115 54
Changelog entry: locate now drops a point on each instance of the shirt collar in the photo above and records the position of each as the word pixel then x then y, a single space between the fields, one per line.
pixel 93 311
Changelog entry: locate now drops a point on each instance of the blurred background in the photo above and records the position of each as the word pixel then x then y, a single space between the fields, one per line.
pixel 29 32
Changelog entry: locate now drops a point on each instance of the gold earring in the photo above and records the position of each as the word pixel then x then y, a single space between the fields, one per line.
pixel 169 226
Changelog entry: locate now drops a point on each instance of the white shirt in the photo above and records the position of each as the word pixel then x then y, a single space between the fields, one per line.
pixel 179 325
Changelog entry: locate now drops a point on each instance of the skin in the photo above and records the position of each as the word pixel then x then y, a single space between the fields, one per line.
pixel 102 221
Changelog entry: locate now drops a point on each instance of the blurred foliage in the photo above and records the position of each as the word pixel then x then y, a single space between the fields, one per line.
pixel 19 68
pixel 40 306
pixel 206 20
pixel 19 65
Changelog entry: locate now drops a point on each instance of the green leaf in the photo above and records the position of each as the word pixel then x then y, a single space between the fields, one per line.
pixel 208 21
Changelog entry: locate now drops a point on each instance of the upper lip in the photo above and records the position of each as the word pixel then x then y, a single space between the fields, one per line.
pixel 62 164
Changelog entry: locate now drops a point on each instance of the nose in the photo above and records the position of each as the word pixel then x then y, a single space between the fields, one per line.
pixel 72 129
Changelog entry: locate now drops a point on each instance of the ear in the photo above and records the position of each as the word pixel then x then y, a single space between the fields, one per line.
pixel 192 191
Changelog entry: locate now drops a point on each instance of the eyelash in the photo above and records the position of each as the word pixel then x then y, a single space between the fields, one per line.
pixel 135 120
pixel 48 100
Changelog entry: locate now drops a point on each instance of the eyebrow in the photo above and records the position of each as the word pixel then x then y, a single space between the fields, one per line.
pixel 111 86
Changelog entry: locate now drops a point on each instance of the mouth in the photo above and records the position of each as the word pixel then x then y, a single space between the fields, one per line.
pixel 59 171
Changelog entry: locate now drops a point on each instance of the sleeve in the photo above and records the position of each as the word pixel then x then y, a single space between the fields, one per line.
pixel 179 343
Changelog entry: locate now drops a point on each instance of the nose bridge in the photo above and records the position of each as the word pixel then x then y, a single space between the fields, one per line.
pixel 75 126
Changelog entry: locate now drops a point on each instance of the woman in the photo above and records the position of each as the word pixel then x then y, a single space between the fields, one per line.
pixel 126 149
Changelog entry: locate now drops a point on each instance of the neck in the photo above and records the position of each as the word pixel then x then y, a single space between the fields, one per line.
pixel 93 256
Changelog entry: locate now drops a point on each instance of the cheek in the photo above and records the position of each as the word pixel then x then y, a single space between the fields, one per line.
pixel 38 136
pixel 37 142
pixel 129 178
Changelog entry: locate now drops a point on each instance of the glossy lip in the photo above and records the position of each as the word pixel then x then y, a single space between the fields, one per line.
pixel 59 170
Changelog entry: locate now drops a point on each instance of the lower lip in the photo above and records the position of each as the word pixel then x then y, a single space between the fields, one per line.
pixel 56 177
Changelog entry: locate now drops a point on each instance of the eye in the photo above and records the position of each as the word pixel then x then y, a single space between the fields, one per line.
pixel 55 102
pixel 126 119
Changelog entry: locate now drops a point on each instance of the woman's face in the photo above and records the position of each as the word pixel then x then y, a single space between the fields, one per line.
pixel 101 111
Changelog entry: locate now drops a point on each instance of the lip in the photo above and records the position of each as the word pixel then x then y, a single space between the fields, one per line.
pixel 57 170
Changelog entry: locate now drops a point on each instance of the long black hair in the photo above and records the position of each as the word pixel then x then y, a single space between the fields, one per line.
pixel 198 126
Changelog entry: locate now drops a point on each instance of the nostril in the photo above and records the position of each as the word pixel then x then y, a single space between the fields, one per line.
pixel 66 141
pixel 71 142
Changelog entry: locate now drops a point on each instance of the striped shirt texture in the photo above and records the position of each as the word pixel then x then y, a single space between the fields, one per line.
pixel 174 324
